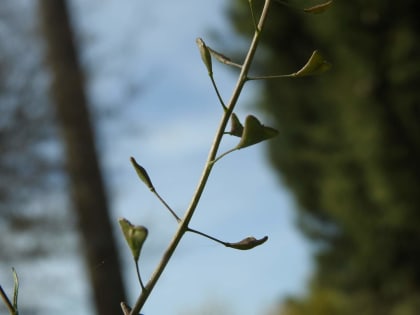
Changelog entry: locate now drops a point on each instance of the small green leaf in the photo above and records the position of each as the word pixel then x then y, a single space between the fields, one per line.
pixel 247 243
pixel 15 289
pixel 255 132
pixel 315 65
pixel 236 128
pixel 205 55
pixel 135 235
pixel 317 9
pixel 141 172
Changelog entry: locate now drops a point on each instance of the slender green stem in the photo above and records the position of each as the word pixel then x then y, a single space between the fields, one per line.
pixel 270 77
pixel 166 205
pixel 217 92
pixel 254 20
pixel 15 290
pixel 206 236
pixel 138 274
pixel 224 154
pixel 183 226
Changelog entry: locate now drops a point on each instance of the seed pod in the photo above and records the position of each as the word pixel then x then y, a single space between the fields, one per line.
pixel 141 172
pixel 255 132
pixel 205 55
pixel 135 235
pixel 247 243
pixel 236 128
pixel 315 65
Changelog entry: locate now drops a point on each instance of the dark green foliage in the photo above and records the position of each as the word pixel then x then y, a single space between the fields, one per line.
pixel 349 146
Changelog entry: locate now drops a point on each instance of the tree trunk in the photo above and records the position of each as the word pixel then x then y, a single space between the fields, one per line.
pixel 87 188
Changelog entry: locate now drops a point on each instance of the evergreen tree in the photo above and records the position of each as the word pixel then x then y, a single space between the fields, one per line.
pixel 349 146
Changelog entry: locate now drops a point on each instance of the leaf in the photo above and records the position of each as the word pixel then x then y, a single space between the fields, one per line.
pixel 255 132
pixel 135 235
pixel 205 55
pixel 315 65
pixel 15 289
pixel 317 9
pixel 236 128
pixel 141 172
pixel 247 243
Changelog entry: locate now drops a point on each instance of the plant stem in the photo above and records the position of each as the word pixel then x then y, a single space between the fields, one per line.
pixel 206 236
pixel 223 154
pixel 183 226
pixel 253 15
pixel 7 302
pixel 270 77
pixel 166 205
pixel 138 274
pixel 217 92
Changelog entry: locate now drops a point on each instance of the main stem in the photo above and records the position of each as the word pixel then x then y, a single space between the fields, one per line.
pixel 183 226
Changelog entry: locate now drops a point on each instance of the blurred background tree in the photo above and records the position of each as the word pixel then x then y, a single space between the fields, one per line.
pixel 349 148
pixel 39 164
pixel 27 164
pixel 89 199
pixel 33 228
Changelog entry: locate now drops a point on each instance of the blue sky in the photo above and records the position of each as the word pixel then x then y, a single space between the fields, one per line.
pixel 155 102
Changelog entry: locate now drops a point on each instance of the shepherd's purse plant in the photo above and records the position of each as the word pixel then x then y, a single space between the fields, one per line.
pixel 249 132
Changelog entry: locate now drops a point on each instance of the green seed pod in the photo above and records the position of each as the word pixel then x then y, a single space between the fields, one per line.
pixel 141 172
pixel 236 128
pixel 315 65
pixel 135 235
pixel 205 55
pixel 247 243
pixel 255 132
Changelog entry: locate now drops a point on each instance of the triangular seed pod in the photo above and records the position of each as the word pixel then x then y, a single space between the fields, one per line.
pixel 135 235
pixel 255 132
pixel 315 65
pixel 236 128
